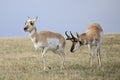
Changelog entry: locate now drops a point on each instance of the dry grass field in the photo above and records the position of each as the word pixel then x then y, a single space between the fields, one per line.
pixel 20 61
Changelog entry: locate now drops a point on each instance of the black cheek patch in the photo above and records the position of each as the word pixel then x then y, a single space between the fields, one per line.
pixel 71 50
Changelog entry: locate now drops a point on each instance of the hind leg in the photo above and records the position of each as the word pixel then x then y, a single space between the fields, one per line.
pixel 62 57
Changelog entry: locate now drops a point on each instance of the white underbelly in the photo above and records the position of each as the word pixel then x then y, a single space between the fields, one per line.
pixel 50 43
pixel 38 46
pixel 53 43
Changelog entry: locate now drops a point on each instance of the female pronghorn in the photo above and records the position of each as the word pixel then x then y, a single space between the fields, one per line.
pixel 46 40
pixel 92 37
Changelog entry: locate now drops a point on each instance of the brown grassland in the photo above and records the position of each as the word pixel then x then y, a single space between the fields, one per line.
pixel 20 61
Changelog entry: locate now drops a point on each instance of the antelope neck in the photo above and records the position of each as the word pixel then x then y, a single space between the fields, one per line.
pixel 83 42
pixel 33 33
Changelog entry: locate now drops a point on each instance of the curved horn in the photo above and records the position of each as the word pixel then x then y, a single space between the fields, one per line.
pixel 66 34
pixel 72 35
pixel 68 37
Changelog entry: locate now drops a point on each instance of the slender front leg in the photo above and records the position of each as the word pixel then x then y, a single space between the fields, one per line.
pixel 44 59
pixel 91 54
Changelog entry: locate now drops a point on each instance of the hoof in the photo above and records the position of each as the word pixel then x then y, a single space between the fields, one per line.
pixel 49 67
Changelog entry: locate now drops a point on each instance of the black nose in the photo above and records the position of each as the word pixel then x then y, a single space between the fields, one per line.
pixel 71 51
pixel 25 29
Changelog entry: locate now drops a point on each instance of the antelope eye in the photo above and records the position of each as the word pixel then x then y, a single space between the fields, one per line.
pixel 31 23
pixel 75 41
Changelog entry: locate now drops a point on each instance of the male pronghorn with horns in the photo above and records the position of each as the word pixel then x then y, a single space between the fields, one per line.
pixel 46 40
pixel 92 37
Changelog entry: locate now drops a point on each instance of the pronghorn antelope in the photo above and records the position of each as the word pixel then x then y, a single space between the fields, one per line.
pixel 92 37
pixel 46 40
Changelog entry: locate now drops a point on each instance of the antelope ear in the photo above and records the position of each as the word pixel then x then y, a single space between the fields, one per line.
pixel 35 18
pixel 78 37
pixel 28 17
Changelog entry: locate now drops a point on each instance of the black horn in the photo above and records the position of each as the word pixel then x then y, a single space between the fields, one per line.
pixel 72 35
pixel 68 37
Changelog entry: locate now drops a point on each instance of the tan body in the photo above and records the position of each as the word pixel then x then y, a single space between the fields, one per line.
pixel 92 37
pixel 48 39
pixel 93 34
pixel 43 35
pixel 45 41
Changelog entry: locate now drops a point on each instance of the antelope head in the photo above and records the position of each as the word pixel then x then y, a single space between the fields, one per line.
pixel 29 25
pixel 76 41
